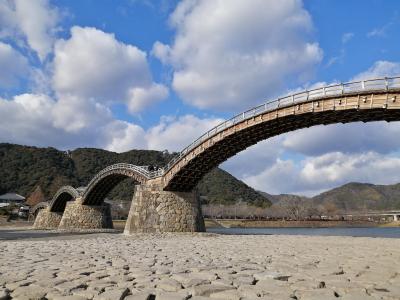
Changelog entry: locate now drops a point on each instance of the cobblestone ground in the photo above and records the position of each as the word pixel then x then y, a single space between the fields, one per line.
pixel 200 266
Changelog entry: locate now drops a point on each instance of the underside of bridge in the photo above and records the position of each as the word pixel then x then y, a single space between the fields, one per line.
pixel 99 191
pixel 58 205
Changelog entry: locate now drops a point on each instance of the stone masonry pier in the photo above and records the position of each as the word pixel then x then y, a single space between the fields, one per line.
pixel 79 216
pixel 154 210
pixel 47 219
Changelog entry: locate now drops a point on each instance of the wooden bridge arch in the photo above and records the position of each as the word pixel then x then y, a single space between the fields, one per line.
pixel 61 197
pixel 108 178
pixel 366 101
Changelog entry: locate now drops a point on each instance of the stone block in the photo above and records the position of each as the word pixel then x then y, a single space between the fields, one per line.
pixel 47 219
pixel 154 210
pixel 79 216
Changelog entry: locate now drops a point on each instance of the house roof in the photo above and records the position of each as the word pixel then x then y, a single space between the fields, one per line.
pixel 12 196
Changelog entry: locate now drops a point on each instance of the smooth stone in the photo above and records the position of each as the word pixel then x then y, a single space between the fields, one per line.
pixel 169 285
pixel 208 289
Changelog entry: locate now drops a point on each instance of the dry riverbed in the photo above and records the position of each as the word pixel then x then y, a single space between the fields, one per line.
pixel 199 266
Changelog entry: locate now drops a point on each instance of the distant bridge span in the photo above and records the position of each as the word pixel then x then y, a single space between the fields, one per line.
pixel 61 197
pixel 108 178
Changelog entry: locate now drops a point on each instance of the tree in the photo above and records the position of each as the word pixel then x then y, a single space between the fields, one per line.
pixel 295 208
pixel 36 197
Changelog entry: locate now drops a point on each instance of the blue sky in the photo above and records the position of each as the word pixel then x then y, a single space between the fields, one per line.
pixel 157 74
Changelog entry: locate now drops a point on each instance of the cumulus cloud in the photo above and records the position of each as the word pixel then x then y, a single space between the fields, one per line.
pixel 13 66
pixel 346 37
pixel 70 122
pixel 229 55
pixel 140 97
pixel 380 68
pixel 122 136
pixel 93 64
pixel 73 113
pixel 346 138
pixel 176 133
pixel 326 171
pixel 26 119
pixel 34 21
pixel 255 159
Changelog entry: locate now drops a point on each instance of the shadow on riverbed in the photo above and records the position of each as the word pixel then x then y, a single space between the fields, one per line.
pixel 27 234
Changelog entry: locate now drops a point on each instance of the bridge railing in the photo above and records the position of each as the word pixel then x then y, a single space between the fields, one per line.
pixel 380 84
pixel 143 170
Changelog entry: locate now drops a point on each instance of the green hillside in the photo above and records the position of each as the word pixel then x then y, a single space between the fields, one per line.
pixel 350 197
pixel 23 168
pixel 362 196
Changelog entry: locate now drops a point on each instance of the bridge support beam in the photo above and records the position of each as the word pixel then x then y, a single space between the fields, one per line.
pixel 47 219
pixel 154 210
pixel 78 216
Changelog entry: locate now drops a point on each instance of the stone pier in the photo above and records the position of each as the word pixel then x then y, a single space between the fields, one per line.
pixel 154 210
pixel 79 216
pixel 47 219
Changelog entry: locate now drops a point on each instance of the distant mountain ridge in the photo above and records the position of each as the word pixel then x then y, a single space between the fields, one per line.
pixel 24 168
pixel 352 196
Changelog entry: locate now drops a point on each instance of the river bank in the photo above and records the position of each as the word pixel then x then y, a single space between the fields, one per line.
pixel 245 223
pixel 200 266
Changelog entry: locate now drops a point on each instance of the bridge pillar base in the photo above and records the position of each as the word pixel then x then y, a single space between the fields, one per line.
pixel 78 216
pixel 47 219
pixel 154 210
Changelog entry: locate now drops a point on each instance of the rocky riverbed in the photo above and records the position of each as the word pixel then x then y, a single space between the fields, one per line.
pixel 199 266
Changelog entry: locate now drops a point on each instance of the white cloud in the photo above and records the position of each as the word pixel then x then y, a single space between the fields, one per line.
pixel 347 138
pixel 379 69
pixel 140 97
pixel 346 37
pixel 8 22
pixel 255 159
pixel 13 66
pixel 73 113
pixel 380 31
pixel 229 55
pixel 93 64
pixel 26 119
pixel 36 21
pixel 176 133
pixel 336 168
pixel 326 171
pixel 123 136
pixel 69 122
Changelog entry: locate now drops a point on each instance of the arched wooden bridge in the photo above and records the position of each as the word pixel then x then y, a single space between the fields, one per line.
pixel 366 101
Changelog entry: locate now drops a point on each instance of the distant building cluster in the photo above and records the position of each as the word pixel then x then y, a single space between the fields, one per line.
pixel 14 204
pixel 11 198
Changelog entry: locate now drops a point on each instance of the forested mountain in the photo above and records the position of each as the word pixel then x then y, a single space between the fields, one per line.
pixel 362 196
pixel 24 168
pixel 350 197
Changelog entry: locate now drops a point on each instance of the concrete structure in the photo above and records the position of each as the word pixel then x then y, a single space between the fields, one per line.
pixel 166 200
pixel 375 215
